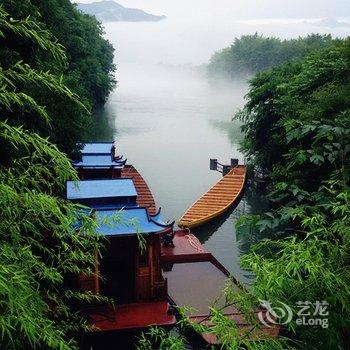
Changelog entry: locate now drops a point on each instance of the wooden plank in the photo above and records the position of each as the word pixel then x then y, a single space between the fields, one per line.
pixel 129 316
pixel 144 194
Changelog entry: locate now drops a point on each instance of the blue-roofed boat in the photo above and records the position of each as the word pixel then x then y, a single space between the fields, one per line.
pixel 102 193
pixel 128 221
pixel 99 160
pixel 96 163
pixel 131 275
pixel 93 161
pixel 89 148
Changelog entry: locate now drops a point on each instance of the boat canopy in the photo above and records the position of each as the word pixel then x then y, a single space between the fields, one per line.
pixel 100 189
pixel 97 148
pixel 99 161
pixel 128 221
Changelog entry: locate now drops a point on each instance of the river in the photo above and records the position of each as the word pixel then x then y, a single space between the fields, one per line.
pixel 168 121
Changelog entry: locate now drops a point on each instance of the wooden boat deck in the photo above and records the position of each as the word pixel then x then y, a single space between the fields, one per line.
pixel 244 327
pixel 144 194
pixel 196 279
pixel 199 285
pixel 217 200
pixel 130 316
pixel 187 248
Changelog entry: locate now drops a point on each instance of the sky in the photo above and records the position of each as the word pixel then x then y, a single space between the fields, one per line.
pixel 243 9
pixel 195 29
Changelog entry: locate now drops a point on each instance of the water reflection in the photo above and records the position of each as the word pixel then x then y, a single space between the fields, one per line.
pixel 228 244
pixel 231 129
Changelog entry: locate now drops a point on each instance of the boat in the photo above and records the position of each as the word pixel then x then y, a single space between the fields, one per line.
pixel 98 160
pixel 123 205
pixel 144 194
pixel 217 200
pixel 173 268
pixel 196 279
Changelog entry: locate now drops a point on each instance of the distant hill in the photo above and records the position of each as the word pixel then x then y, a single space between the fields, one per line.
pixel 110 11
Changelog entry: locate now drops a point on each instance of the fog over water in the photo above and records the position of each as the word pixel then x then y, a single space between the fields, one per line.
pixel 166 117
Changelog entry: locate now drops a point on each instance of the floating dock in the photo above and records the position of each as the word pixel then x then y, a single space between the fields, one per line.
pixel 217 200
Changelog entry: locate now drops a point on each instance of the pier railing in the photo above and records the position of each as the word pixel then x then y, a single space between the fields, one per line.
pixel 222 168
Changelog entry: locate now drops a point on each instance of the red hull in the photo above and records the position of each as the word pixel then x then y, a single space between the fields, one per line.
pixel 144 194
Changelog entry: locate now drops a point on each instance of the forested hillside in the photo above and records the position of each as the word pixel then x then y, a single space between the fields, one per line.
pixel 297 132
pixel 88 70
pixel 111 11
pixel 251 54
pixel 40 243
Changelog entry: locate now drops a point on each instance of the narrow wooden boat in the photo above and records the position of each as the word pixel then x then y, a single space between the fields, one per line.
pixel 217 200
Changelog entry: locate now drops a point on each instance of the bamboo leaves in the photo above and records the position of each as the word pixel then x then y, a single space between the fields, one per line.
pixel 39 244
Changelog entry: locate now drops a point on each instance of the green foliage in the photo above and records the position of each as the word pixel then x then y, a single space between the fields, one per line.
pixel 297 130
pixel 288 106
pixel 84 64
pixel 40 246
pixel 230 335
pixel 158 338
pixel 251 54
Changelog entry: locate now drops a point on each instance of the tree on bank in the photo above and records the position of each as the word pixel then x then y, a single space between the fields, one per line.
pixel 87 71
pixel 40 245
pixel 252 54
pixel 297 129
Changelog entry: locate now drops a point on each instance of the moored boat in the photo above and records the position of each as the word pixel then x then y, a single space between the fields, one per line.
pixel 196 279
pixel 217 200
pixel 99 160
pixel 128 272
pixel 144 194
pixel 172 268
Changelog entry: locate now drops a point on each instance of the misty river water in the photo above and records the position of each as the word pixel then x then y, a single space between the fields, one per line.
pixel 168 123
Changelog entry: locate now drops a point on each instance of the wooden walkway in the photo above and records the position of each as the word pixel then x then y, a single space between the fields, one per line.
pixel 217 200
pixel 144 194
